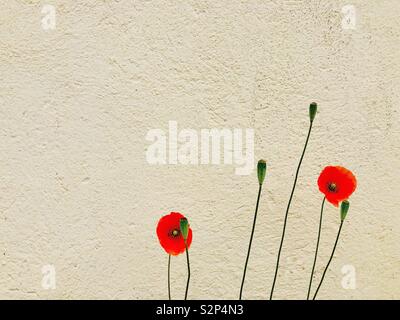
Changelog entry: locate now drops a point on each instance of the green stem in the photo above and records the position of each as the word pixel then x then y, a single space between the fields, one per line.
pixel 287 211
pixel 251 240
pixel 330 259
pixel 316 250
pixel 188 265
pixel 169 277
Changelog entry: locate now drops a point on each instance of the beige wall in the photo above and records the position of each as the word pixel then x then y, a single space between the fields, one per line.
pixel 76 103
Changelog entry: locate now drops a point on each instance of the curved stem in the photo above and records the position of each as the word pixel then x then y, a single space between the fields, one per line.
pixel 287 211
pixel 316 250
pixel 188 265
pixel 251 240
pixel 169 277
pixel 330 259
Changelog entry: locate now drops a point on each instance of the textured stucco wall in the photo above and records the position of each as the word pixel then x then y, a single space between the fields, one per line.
pixel 76 103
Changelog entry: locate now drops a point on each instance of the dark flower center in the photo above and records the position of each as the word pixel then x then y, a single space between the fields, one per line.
pixel 332 187
pixel 175 233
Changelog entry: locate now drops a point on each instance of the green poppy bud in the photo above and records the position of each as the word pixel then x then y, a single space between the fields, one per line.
pixel 313 111
pixel 344 208
pixel 184 228
pixel 261 170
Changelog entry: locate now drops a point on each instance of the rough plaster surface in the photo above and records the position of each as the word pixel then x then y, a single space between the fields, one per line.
pixel 76 191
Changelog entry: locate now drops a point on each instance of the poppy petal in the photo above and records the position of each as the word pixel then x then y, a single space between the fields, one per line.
pixel 172 243
pixel 337 184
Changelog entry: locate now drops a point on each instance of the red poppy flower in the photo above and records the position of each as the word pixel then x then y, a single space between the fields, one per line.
pixel 337 184
pixel 170 236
